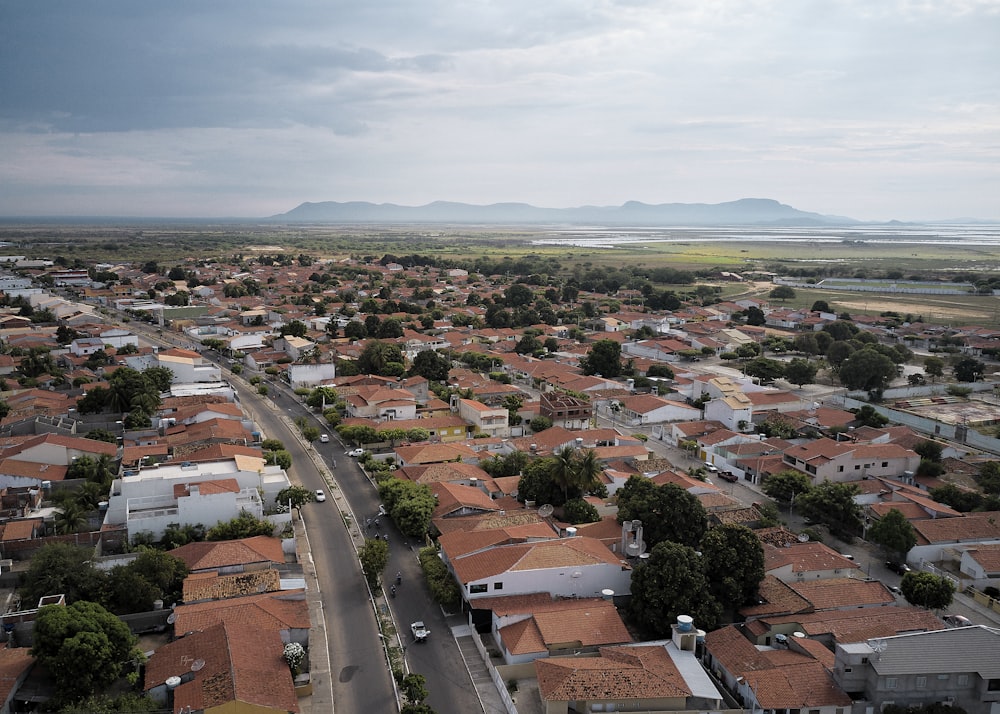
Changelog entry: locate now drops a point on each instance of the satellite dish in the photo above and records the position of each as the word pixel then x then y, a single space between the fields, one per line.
pixel 877 645
pixel 803 538
pixel 171 618
pixel 546 510
pixel 197 664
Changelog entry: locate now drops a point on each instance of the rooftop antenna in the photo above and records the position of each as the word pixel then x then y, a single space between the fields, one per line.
pixel 546 510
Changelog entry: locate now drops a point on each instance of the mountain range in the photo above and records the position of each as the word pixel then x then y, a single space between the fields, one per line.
pixel 745 211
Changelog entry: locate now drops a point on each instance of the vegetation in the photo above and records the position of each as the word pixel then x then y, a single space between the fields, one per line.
pixel 409 504
pixel 672 582
pixel 445 591
pixel 923 589
pixel 667 512
pixel 374 556
pixel 894 533
pixel 833 504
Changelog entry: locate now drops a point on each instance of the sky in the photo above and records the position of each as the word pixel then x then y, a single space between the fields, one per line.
pixel 242 108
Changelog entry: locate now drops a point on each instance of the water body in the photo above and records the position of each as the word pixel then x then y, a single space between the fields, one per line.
pixel 931 234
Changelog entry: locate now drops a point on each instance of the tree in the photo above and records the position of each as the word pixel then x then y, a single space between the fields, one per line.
pixel 807 343
pixel 295 495
pixel 540 423
pixel 934 367
pixel 667 512
pixel 374 556
pixel 764 369
pixel 959 499
pixel 431 365
pixel 988 477
pixel 577 510
pixel 414 688
pixel 409 504
pixel 604 358
pixel 245 525
pixel 930 450
pixel 295 328
pixel 786 485
pixel 70 519
pixel 782 292
pixel 175 535
pixel 868 415
pixel 536 484
pixel 969 369
pixel 734 564
pixel 867 369
pixel 934 592
pixel 83 646
pixel 820 306
pixel 60 568
pixel 894 533
pixel 672 582
pixel 833 504
pixel 801 371
pixel 377 357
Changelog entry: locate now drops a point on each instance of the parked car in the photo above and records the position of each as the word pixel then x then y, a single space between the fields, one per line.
pixel 957 621
pixel 729 476
pixel 324 438
pixel 897 567
pixel 356 452
pixel 711 468
pixel 320 496
pixel 847 555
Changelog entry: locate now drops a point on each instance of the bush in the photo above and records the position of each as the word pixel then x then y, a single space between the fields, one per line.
pixel 442 585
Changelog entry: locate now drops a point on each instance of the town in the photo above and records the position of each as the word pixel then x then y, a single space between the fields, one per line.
pixel 281 482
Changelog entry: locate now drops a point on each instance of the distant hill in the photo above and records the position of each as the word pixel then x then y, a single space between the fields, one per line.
pixel 746 211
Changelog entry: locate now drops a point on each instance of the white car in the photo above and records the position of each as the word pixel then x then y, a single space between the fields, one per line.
pixel 420 632
pixel 356 452
pixel 324 438
pixel 320 496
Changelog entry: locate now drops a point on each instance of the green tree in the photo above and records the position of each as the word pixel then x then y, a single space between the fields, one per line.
pixel 927 590
pixel 667 512
pixel 70 519
pixel 820 306
pixel 782 292
pixel 960 499
pixel 536 483
pixel 127 703
pixel 431 365
pixel 61 568
pixel 867 369
pixel 934 367
pixel 894 533
pixel 295 328
pixel 604 358
pixel 833 504
pixel 801 371
pixel 764 369
pixel 929 450
pixel 374 556
pixel 734 564
pixel 785 485
pixel 870 416
pixel 415 688
pixel 969 369
pixel 409 504
pixel 175 535
pixel 245 525
pixel 988 477
pixel 295 495
pixel 377 358
pixel 672 582
pixel 83 646
pixel 577 510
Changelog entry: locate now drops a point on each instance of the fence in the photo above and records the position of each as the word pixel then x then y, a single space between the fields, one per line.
pixel 494 674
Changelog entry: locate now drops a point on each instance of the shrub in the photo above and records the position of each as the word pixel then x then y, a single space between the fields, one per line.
pixel 443 587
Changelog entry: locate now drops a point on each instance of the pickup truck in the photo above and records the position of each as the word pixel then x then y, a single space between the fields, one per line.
pixel 729 476
pixel 420 632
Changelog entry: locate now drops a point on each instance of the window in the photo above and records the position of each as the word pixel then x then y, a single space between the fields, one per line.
pixel 498 586
pixel 478 588
pixel 993 685
pixel 857 467
pixel 890 683
pixel 963 680
pixel 847 670
pixel 840 469
pixel 864 660
pixel 885 464
pixel 921 682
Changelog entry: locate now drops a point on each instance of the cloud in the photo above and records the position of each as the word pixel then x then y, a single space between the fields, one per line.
pixel 557 103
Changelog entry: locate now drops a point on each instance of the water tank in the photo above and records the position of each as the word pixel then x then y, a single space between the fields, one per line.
pixel 684 623
pixel 173 682
pixel 608 594
pixel 579 442
pixel 571 532
pixel 800 635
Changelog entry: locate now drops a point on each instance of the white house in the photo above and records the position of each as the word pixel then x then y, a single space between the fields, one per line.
pixel 649 409
pixel 311 375
pixel 205 493
pixel 188 367
pixel 564 567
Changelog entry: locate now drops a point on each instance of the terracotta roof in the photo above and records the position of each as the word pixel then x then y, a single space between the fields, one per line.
pixel 238 664
pixel 837 593
pixel 805 558
pixel 14 662
pixel 638 672
pixel 210 585
pixel 862 624
pixel 282 610
pixel 208 555
pixel 562 552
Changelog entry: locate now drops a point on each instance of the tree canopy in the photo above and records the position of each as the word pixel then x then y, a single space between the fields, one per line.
pixel 894 533
pixel 867 369
pixel 928 590
pixel 785 485
pixel 409 504
pixel 833 504
pixel 667 512
pixel 84 647
pixel 672 582
pixel 604 358
pixel 734 564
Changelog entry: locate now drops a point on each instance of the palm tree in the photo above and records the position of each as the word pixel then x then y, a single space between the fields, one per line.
pixel 563 471
pixel 70 519
pixel 588 470
pixel 105 470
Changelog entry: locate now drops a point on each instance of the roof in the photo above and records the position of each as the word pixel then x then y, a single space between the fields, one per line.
pixel 579 623
pixel 207 555
pixel 805 558
pixel 558 553
pixel 638 672
pixel 835 593
pixel 958 649
pixel 268 611
pixel 238 664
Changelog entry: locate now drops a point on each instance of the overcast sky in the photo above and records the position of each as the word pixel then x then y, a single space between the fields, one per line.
pixel 870 109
